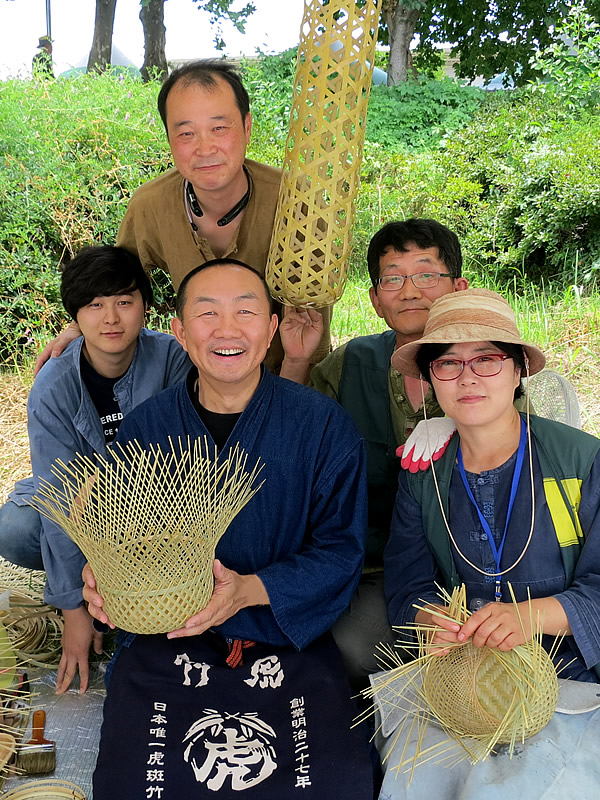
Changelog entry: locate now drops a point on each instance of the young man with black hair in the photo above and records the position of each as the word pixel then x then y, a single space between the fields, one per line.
pixel 75 406
pixel 215 202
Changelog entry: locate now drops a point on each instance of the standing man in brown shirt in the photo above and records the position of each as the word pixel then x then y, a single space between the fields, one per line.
pixel 215 202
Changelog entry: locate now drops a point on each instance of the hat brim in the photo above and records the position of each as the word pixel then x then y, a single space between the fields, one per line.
pixel 404 358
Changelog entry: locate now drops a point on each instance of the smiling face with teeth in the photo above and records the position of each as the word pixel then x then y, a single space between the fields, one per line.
pixel 226 327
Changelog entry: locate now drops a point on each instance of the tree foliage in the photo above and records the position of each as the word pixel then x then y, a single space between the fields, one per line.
pixel 570 66
pixel 220 11
pixel 488 38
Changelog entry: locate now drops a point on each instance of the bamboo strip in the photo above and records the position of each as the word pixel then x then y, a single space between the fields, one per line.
pixel 148 522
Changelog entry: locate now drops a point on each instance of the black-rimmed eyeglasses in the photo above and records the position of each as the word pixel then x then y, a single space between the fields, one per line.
pixel 485 366
pixel 422 280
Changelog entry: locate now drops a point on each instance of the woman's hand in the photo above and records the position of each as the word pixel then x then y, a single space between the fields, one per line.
pixel 502 626
pixel 498 625
pixel 446 630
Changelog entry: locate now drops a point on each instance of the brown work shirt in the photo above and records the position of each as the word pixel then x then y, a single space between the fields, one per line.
pixel 157 228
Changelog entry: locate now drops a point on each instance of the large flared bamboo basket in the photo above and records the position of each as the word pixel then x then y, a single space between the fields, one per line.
pixel 307 262
pixel 148 522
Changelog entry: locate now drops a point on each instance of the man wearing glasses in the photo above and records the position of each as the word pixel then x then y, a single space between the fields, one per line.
pixel 411 264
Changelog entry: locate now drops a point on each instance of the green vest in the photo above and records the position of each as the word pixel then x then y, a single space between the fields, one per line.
pixel 363 392
pixel 565 456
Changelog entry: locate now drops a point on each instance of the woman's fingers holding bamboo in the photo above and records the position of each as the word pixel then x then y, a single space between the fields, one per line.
pixel 440 641
pixel 495 625
pixel 446 624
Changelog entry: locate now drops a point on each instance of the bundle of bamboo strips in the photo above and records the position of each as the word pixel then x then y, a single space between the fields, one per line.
pixel 34 629
pixel 50 789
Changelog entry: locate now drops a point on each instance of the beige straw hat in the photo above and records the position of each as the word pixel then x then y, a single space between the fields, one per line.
pixel 471 315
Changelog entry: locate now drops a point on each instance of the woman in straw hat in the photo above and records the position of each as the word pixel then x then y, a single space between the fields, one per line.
pixel 513 500
pixel 517 500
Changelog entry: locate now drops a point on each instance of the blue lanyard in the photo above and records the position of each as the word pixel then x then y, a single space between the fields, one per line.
pixel 497 551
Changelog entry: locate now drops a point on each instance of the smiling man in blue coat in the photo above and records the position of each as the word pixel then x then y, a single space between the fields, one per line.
pixel 284 571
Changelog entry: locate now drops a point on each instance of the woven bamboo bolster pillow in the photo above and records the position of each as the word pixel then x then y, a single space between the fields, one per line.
pixel 307 262
pixel 148 523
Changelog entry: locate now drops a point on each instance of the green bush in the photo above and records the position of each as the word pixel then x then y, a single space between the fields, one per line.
pixel 269 81
pixel 571 64
pixel 539 201
pixel 419 114
pixel 73 151
pixel 514 174
pixel 518 184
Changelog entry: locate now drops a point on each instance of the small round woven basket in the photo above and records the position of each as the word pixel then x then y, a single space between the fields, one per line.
pixel 307 262
pixel 148 523
pixel 477 694
pixel 51 789
pixel 480 697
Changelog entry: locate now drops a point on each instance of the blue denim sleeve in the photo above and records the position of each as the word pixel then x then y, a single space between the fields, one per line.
pixel 51 437
pixel 309 589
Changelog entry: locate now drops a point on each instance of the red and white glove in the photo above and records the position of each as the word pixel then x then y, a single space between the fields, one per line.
pixel 427 443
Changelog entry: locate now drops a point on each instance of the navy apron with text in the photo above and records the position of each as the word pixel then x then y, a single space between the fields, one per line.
pixel 179 723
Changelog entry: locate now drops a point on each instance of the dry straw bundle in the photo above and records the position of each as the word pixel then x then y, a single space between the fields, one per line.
pixel 311 235
pixel 481 697
pixel 148 522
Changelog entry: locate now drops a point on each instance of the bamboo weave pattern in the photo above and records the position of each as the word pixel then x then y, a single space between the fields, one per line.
pixel 482 697
pixel 307 262
pixel 148 522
